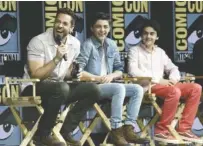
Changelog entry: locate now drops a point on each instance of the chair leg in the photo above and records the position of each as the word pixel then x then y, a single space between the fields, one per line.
pixel 27 134
pixel 56 130
pixel 28 137
pixel 105 120
pixel 30 134
pixel 87 131
pixel 146 128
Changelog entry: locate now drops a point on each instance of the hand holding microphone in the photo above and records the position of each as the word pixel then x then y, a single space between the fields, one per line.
pixel 58 40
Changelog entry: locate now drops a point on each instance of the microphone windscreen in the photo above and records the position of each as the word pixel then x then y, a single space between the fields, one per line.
pixel 58 39
pixel 65 57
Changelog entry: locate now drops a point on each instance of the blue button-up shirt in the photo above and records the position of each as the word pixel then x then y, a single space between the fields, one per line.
pixel 90 59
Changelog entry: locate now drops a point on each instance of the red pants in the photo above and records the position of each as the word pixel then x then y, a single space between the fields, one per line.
pixel 190 92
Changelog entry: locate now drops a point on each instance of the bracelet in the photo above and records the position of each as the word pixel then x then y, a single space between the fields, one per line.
pixel 56 60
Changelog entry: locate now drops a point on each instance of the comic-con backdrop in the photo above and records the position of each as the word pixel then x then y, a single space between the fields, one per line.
pixel 181 33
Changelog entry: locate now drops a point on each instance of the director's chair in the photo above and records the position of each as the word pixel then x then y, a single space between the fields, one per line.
pixel 171 127
pixel 86 131
pixel 105 120
pixel 13 99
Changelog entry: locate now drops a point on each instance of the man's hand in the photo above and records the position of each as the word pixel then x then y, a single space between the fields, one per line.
pixel 167 82
pixel 107 79
pixel 61 50
pixel 85 76
pixel 81 76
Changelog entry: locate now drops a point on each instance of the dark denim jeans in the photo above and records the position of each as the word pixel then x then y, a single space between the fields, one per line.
pixel 55 94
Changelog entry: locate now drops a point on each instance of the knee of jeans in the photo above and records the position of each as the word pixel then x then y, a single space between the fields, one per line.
pixel 119 89
pixel 63 90
pixel 138 90
pixel 93 91
pixel 90 90
pixel 174 93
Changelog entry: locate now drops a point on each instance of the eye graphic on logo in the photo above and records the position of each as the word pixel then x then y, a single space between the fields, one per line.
pixel 195 36
pixel 133 37
pixel 132 32
pixel 6 130
pixel 8 25
pixel 7 124
pixel 5 36
pixel 195 30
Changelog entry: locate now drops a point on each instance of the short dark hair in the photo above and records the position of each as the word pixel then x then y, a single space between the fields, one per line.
pixel 100 16
pixel 68 12
pixel 151 23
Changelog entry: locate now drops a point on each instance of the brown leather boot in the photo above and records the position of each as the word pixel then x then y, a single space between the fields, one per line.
pixel 47 141
pixel 132 137
pixel 118 137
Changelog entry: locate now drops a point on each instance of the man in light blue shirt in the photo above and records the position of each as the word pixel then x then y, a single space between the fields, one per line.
pixel 100 60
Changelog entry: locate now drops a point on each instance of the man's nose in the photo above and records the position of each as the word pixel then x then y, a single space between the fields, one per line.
pixel 148 35
pixel 102 29
pixel 60 25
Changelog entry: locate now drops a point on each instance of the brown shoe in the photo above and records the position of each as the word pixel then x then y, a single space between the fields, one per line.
pixel 118 137
pixel 132 137
pixel 70 141
pixel 47 141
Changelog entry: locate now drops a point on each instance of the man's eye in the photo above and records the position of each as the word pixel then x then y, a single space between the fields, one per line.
pixel 5 36
pixel 6 130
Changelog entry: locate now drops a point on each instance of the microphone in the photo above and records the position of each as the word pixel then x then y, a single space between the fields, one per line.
pixel 58 40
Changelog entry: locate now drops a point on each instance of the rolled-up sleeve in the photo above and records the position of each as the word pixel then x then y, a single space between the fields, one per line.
pixel 35 50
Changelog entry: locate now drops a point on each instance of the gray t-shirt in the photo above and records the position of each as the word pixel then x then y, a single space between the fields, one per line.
pixel 44 48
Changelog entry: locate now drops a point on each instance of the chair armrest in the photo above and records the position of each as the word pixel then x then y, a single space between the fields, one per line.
pixel 10 80
pixel 144 78
pixel 126 77
pixel 24 80
pixel 139 80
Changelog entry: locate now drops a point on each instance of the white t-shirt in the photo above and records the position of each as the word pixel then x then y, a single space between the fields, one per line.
pixel 43 48
pixel 103 64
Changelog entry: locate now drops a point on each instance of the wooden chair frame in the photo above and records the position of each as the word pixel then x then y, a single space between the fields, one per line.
pixel 14 100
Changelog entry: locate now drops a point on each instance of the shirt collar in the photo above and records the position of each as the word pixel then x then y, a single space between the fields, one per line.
pixel 144 48
pixel 98 44
pixel 51 40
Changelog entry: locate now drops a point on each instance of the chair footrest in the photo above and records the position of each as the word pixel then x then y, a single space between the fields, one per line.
pixel 166 141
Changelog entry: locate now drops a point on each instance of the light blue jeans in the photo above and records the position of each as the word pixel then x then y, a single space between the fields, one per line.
pixel 117 93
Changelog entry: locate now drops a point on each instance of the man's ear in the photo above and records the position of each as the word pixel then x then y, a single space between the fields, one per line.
pixel 157 38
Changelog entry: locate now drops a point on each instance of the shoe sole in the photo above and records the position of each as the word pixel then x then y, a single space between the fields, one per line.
pixel 192 140
pixel 166 140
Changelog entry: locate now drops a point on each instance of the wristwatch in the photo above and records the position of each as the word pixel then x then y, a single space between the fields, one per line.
pixel 56 60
